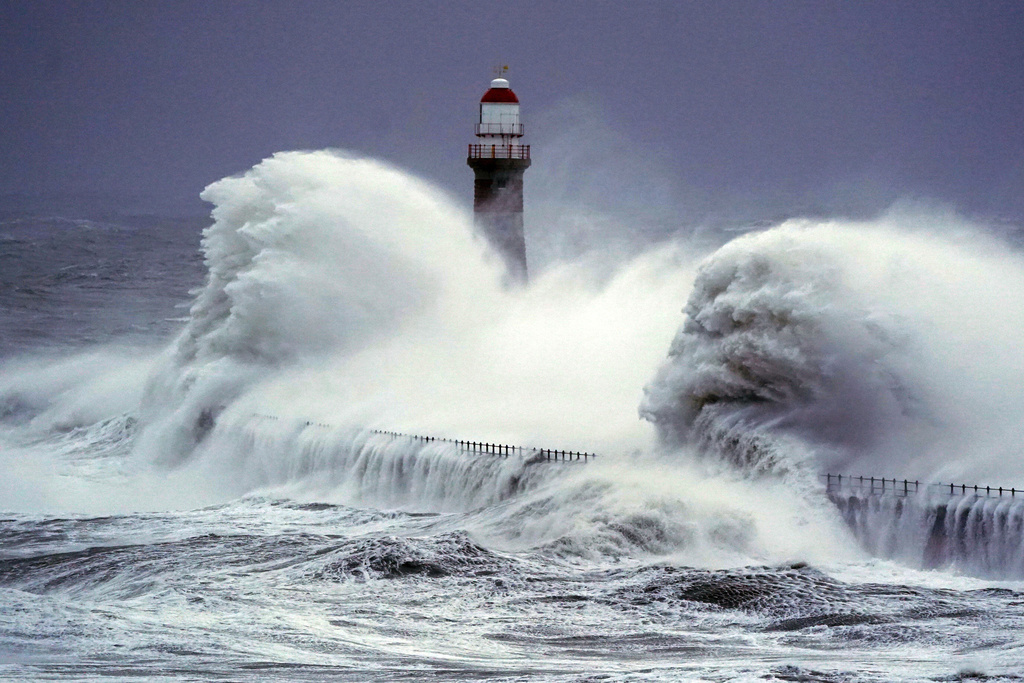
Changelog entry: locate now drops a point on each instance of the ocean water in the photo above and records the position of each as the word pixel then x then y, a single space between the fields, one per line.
pixel 194 486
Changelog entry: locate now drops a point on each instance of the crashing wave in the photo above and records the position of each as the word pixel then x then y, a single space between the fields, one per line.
pixel 309 254
pixel 811 347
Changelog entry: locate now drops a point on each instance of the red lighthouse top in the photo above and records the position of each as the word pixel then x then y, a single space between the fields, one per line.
pixel 500 93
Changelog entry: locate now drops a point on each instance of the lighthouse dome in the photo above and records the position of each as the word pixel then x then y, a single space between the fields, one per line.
pixel 500 92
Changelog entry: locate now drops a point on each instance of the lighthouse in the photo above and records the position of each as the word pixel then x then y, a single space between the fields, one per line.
pixel 498 161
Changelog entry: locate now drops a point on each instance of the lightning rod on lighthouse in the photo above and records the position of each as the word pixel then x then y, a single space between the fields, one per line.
pixel 498 161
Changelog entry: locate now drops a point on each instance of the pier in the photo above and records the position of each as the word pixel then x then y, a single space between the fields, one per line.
pixel 974 528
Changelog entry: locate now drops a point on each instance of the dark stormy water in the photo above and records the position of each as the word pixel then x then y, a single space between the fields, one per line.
pixel 191 487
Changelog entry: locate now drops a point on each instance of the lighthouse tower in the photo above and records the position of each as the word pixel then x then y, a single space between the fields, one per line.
pixel 498 162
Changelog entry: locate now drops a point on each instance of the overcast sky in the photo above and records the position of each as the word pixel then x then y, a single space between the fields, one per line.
pixel 752 109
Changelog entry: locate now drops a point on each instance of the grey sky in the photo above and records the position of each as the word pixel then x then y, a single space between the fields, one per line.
pixel 753 109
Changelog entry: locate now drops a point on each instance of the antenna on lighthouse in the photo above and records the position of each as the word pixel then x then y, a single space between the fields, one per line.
pixel 498 161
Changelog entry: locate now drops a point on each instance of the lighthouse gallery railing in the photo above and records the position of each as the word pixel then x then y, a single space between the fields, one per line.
pixel 499 151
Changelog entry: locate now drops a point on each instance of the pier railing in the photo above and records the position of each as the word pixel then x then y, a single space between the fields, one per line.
pixel 501 450
pixel 905 487
pixel 480 447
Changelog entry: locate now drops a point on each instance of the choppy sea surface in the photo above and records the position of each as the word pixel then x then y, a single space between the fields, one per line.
pixel 185 497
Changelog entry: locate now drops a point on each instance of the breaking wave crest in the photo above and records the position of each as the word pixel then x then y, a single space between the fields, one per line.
pixel 880 348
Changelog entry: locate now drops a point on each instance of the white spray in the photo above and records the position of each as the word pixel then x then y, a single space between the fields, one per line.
pixel 342 291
